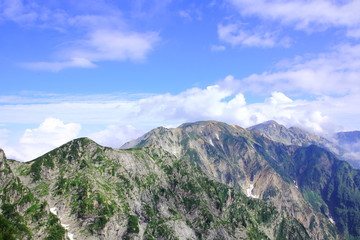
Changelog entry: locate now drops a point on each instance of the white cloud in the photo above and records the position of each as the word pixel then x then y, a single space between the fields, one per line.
pixel 303 14
pixel 52 131
pixel 58 66
pixel 320 76
pixel 116 135
pixel 34 142
pixel 354 33
pixel 235 34
pixel 278 98
pixel 114 45
pixel 330 79
pixel 101 45
pixel 336 72
pixel 33 14
pixel 103 34
pixel 218 102
pixel 16 11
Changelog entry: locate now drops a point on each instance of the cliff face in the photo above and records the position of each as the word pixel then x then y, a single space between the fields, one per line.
pixel 148 193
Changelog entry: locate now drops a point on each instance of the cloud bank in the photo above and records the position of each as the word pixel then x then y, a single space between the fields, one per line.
pixel 216 102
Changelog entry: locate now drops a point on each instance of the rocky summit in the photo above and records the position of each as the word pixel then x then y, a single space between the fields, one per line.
pixel 202 180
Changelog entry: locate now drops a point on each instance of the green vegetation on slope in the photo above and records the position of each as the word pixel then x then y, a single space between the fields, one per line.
pixel 331 185
pixel 147 189
pixel 22 214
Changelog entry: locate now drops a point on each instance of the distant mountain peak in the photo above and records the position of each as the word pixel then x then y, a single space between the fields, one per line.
pixel 289 136
pixel 210 123
pixel 267 124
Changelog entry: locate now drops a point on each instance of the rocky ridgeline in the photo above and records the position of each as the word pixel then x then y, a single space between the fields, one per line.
pixel 204 180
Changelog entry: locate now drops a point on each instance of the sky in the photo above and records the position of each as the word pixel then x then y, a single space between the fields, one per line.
pixel 113 70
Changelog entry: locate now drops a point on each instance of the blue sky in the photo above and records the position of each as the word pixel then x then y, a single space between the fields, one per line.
pixel 112 70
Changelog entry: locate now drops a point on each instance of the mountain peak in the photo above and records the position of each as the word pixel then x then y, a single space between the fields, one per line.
pixel 82 141
pixel 267 124
pixel 202 124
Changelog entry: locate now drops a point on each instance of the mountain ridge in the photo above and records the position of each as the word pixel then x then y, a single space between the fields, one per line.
pixel 190 182
pixel 256 157
pixel 237 157
pixel 104 193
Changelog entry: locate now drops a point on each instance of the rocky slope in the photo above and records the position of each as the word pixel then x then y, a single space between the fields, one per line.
pixel 345 145
pixel 292 136
pixel 331 186
pixel 22 214
pixel 245 160
pixel 96 192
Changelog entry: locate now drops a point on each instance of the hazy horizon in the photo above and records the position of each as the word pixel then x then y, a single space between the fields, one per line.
pixel 112 71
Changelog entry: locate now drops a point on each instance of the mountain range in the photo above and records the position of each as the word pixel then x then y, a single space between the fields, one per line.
pixel 202 180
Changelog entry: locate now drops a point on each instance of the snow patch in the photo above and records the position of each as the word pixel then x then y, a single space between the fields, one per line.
pixel 53 210
pixel 71 236
pixel 66 226
pixel 249 191
pixel 211 142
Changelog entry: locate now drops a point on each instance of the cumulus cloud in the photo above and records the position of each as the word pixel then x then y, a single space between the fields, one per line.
pixel 52 131
pixel 116 135
pixel 306 15
pixel 236 34
pixel 34 142
pixel 278 98
pixel 328 80
pixel 221 102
